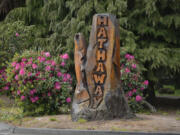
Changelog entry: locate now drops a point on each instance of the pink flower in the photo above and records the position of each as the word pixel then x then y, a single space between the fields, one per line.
pixel 34 90
pixel 68 76
pixel 57 85
pixel 22 64
pixel 65 56
pixel 34 66
pixel 53 63
pixel 48 68
pixel 29 74
pixel 134 90
pixel 38 73
pixel 13 64
pixel 23 97
pixel 22 72
pixel 133 66
pixel 127 70
pixel 63 64
pixel 36 98
pixel 127 56
pixel 39 58
pixel 43 59
pixel 32 100
pixel 135 77
pixel 146 82
pixel 6 88
pixel 59 74
pixel 23 59
pixel 142 88
pixel 138 98
pixel 29 62
pixel 47 54
pixel 43 79
pixel 65 78
pixel 48 62
pixel 49 94
pixel 31 59
pixel 16 77
pixel 17 66
pixel 17 34
pixel 31 92
pixel 18 92
pixel 68 100
pixel 131 57
pixel 130 93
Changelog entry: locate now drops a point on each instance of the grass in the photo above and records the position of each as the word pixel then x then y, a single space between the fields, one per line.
pixel 162 112
pixel 178 112
pixel 177 93
pixel 82 120
pixel 2 102
pixel 53 119
pixel 10 112
pixel 147 112
pixel 118 129
pixel 172 88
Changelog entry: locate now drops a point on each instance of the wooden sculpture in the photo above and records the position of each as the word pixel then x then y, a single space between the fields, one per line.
pixel 98 93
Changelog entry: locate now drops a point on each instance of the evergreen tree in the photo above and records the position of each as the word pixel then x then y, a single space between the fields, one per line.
pixel 149 29
pixel 7 5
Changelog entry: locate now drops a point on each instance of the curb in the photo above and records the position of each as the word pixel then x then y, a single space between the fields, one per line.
pixel 5 128
pixel 46 131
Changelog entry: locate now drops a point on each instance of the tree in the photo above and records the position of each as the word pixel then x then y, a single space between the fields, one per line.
pixel 149 29
pixel 7 5
pixel 156 24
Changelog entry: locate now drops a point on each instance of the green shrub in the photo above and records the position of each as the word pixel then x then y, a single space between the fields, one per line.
pixel 40 83
pixel 15 38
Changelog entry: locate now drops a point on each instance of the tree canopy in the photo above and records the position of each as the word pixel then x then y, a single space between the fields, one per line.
pixel 149 29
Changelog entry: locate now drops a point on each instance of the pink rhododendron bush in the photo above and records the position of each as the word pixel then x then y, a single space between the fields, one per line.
pixel 4 86
pixel 132 82
pixel 40 83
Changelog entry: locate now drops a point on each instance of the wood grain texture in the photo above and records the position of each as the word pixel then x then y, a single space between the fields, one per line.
pixel 98 93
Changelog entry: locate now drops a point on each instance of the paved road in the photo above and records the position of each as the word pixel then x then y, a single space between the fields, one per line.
pixel 10 130
pixel 5 128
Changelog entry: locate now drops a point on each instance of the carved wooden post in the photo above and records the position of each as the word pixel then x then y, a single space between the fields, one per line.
pixel 98 93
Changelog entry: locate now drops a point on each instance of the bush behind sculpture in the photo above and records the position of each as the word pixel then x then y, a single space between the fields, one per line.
pixel 132 82
pixel 40 84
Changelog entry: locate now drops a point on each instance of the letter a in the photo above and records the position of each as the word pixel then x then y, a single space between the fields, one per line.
pixel 102 33
pixel 100 67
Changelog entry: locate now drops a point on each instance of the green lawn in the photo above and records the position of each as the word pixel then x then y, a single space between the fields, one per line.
pixel 176 93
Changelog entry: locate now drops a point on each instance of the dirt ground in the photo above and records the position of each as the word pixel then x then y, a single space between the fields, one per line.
pixel 166 119
pixel 143 122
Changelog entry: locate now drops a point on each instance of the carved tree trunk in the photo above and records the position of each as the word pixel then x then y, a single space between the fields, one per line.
pixel 98 93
